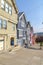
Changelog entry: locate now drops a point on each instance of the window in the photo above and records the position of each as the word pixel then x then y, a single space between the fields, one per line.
pixel 13 26
pixel 6 7
pixel 24 33
pixel 10 10
pixel 0 23
pixel 2 4
pixel 4 24
pixel 22 24
pixel 20 33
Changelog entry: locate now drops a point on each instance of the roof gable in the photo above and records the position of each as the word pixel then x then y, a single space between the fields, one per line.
pixel 21 14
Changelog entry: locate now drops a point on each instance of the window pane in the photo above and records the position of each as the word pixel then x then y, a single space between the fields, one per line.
pixel 2 3
pixel 0 23
pixel 4 24
pixel 10 10
pixel 22 24
pixel 2 6
pixel 20 33
pixel 6 7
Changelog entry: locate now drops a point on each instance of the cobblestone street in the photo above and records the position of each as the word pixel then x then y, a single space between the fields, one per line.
pixel 22 56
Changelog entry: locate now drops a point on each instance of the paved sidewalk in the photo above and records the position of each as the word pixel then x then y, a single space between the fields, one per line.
pixel 23 56
pixel 35 47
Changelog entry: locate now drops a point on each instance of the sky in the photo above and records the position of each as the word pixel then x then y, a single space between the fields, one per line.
pixel 33 10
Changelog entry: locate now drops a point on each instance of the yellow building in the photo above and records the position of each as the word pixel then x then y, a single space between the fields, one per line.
pixel 8 21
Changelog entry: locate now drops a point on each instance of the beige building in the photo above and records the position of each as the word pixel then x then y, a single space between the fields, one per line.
pixel 8 21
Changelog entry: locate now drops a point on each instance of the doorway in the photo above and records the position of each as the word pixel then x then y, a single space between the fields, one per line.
pixel 12 41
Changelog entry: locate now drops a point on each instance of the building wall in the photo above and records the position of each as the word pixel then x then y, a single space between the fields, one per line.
pixel 22 28
pixel 13 17
pixel 28 33
pixel 9 32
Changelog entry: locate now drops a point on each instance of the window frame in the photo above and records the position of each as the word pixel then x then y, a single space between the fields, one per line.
pixel 4 24
pixel 7 7
pixel 1 23
pixel 10 10
pixel 3 4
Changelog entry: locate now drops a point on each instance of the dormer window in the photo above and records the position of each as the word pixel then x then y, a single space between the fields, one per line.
pixel 6 7
pixel 2 4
